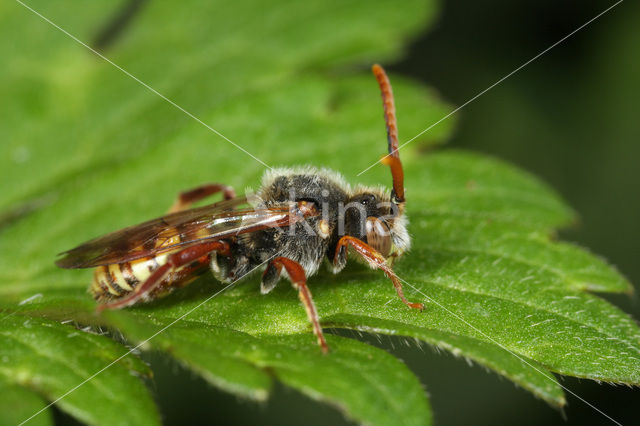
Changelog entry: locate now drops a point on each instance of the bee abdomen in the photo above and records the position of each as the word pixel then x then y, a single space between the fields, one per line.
pixel 116 280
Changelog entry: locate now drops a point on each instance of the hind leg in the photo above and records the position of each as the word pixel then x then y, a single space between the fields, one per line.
pixel 176 260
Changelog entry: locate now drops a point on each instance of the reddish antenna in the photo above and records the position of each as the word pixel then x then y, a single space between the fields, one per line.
pixel 392 159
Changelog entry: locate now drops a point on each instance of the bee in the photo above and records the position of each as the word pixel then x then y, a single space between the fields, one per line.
pixel 298 218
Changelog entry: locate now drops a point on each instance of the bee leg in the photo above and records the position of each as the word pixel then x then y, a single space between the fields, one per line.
pixel 186 198
pixel 375 260
pixel 299 282
pixel 174 261
pixel 270 277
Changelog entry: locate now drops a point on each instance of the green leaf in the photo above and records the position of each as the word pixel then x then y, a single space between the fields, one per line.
pixel 351 378
pixel 50 359
pixel 18 404
pixel 88 150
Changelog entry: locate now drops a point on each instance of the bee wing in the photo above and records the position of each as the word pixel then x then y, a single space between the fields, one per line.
pixel 208 223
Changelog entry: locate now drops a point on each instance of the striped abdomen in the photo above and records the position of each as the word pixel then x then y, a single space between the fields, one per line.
pixel 117 280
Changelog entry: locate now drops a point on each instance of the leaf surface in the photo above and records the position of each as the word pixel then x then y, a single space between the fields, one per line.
pixel 88 150
pixel 51 359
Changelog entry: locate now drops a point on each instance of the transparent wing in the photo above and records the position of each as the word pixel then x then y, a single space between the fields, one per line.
pixel 224 219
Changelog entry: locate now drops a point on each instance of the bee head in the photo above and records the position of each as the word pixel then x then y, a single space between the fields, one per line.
pixel 372 216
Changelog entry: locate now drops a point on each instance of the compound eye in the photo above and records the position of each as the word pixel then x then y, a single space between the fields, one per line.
pixel 378 235
pixel 367 199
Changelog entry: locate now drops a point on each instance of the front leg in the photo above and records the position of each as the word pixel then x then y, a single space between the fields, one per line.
pixel 187 198
pixel 374 259
pixel 299 282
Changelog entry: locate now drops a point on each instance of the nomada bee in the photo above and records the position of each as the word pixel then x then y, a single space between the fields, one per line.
pixel 301 217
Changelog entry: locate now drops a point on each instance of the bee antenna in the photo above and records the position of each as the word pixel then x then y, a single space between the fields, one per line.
pixel 392 159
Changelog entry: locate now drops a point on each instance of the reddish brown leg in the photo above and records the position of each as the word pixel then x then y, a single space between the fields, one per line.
pixel 376 260
pixel 185 199
pixel 175 260
pixel 299 282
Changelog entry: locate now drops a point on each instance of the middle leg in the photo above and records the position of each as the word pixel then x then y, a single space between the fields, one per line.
pixel 299 281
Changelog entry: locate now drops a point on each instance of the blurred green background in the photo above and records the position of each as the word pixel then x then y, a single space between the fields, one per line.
pixel 570 117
